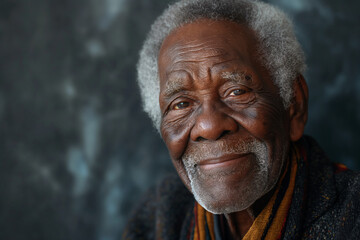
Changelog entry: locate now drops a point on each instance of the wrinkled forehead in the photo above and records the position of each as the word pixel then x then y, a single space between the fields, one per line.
pixel 200 49
pixel 206 39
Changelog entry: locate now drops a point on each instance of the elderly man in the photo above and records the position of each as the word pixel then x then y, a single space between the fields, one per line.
pixel 223 83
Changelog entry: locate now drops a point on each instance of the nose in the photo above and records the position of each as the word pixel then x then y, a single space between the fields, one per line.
pixel 212 124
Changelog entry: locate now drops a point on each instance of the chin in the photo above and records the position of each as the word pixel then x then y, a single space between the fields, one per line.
pixel 223 199
pixel 237 189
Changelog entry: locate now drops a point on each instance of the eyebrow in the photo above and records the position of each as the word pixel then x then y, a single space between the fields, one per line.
pixel 237 77
pixel 173 86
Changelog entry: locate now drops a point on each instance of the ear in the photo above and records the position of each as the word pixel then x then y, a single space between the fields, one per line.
pixel 299 109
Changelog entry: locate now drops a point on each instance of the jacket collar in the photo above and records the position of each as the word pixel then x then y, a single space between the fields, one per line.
pixel 321 187
pixel 315 190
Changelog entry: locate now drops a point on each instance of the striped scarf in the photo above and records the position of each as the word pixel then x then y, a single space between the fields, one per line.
pixel 269 224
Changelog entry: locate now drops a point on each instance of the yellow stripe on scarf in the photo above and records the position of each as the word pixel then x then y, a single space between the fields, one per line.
pixel 210 222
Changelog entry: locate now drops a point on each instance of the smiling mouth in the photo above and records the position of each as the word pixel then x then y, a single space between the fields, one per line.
pixel 223 162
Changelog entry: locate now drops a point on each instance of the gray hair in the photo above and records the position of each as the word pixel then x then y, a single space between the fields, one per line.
pixel 279 51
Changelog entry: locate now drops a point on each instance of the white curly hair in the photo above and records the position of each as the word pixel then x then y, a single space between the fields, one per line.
pixel 279 50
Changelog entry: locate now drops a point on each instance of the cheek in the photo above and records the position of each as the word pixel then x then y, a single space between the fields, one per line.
pixel 182 173
pixel 270 125
pixel 265 121
pixel 176 137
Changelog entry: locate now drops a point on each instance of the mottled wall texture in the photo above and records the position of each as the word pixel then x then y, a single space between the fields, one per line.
pixel 76 150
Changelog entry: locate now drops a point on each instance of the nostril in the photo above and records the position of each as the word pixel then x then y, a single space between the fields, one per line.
pixel 199 139
pixel 224 133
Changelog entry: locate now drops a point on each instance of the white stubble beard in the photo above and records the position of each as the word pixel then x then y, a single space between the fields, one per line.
pixel 247 193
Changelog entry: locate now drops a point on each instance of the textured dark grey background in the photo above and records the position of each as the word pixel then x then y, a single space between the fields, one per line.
pixel 76 150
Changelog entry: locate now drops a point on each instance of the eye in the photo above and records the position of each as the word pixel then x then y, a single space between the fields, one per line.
pixel 181 105
pixel 237 92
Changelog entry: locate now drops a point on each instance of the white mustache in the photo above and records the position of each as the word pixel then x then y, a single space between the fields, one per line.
pixel 194 154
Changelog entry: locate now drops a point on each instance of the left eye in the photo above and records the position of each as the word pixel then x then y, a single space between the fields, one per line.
pixel 237 92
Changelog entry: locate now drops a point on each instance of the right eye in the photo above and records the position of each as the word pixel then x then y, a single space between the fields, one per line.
pixel 181 105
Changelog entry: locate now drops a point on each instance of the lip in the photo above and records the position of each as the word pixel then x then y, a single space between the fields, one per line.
pixel 223 161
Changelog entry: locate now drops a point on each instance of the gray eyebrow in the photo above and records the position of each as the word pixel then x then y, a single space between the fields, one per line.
pixel 173 86
pixel 237 77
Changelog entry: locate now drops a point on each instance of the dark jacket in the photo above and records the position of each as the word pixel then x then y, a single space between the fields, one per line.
pixel 325 205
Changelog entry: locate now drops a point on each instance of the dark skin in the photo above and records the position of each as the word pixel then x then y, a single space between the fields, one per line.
pixel 200 104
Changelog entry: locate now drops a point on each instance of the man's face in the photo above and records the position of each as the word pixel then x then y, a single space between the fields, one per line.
pixel 223 120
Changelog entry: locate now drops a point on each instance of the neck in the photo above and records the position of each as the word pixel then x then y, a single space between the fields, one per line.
pixel 240 222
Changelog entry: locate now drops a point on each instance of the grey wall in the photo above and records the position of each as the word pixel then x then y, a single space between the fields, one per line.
pixel 76 150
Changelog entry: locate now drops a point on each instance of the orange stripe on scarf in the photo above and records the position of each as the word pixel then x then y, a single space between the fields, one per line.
pixel 257 228
pixel 203 217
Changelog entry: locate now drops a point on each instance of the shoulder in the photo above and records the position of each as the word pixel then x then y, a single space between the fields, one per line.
pixel 324 172
pixel 347 207
pixel 161 212
pixel 333 197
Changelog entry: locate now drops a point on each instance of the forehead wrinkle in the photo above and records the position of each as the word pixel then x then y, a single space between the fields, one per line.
pixel 197 43
pixel 216 65
pixel 198 55
pixel 192 49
